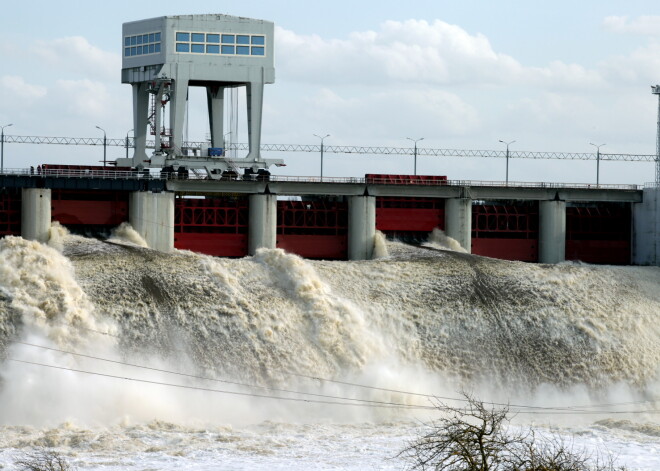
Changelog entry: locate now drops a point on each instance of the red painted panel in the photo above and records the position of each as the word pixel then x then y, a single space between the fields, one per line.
pixel 525 250
pixel 107 213
pixel 405 179
pixel 329 247
pixel 613 252
pixel 408 219
pixel 10 212
pixel 219 245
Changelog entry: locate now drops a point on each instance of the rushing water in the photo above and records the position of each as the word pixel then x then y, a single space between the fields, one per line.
pixel 232 344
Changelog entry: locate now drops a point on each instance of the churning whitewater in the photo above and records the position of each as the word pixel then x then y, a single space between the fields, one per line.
pixel 276 362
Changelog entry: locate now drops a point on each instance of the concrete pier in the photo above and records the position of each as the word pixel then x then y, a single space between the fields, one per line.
pixel 646 229
pixel 262 226
pixel 361 227
pixel 36 214
pixel 458 221
pixel 152 216
pixel 552 231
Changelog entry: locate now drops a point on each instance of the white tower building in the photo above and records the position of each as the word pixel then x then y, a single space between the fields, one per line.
pixel 164 56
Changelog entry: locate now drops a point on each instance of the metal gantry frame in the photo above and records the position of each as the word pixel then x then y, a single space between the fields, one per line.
pixel 468 153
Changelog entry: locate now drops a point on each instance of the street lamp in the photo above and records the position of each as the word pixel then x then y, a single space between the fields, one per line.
pixel 2 147
pixel 507 159
pixel 105 142
pixel 597 146
pixel 415 152
pixel 127 133
pixel 327 135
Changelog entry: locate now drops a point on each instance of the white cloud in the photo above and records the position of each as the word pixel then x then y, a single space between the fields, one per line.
pixel 415 51
pixel 78 55
pixel 16 86
pixel 641 66
pixel 645 25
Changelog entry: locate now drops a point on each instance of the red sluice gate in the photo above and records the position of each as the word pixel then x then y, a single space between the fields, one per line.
pixel 313 229
pixel 89 208
pixel 507 231
pixel 599 233
pixel 10 212
pixel 409 218
pixel 212 225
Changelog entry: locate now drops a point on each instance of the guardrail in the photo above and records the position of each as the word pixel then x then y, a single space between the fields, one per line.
pixel 134 174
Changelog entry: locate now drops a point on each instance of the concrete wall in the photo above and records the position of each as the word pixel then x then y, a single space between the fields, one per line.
pixel 36 214
pixel 646 229
pixel 552 231
pixel 262 225
pixel 152 216
pixel 458 221
pixel 361 227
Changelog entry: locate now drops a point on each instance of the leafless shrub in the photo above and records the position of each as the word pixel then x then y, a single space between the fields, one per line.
pixel 475 438
pixel 43 459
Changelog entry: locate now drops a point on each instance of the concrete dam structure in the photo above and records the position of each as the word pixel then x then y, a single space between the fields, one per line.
pixel 337 219
pixel 200 199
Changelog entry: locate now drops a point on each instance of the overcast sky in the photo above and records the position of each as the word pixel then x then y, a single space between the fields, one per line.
pixel 551 75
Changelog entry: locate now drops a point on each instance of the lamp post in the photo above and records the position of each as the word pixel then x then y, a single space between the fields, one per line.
pixel 597 146
pixel 127 133
pixel 507 159
pixel 415 152
pixel 322 138
pixel 2 147
pixel 105 142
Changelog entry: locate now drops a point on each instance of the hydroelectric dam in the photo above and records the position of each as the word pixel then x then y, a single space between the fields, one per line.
pixel 337 218
pixel 199 198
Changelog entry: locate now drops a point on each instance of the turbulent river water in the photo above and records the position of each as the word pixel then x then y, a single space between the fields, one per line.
pixel 120 357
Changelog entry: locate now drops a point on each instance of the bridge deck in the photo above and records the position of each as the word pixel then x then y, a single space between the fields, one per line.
pixel 299 186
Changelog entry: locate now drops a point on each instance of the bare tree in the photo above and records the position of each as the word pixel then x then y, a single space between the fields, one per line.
pixel 475 438
pixel 43 459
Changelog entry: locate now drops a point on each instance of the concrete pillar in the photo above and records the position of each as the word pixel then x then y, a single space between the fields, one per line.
pixel 255 98
pixel 458 221
pixel 140 122
pixel 262 229
pixel 152 216
pixel 215 96
pixel 646 229
pixel 361 227
pixel 552 231
pixel 35 214
pixel 178 102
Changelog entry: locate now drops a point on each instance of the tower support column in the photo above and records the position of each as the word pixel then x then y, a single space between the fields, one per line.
pixel 255 97
pixel 36 214
pixel 262 229
pixel 152 216
pixel 552 231
pixel 215 96
pixel 140 121
pixel 361 227
pixel 458 221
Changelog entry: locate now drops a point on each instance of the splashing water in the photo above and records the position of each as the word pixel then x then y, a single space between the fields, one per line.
pixel 380 246
pixel 417 320
pixel 438 239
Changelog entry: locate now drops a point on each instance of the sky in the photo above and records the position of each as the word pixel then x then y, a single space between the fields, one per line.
pixel 549 75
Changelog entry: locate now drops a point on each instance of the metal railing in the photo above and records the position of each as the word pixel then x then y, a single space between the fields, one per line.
pixel 134 174
pixel 79 173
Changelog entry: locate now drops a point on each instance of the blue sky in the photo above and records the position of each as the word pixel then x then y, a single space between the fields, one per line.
pixel 462 74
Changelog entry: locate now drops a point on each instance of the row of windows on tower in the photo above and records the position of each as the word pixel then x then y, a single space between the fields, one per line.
pixel 198 43
pixel 140 44
pixel 220 43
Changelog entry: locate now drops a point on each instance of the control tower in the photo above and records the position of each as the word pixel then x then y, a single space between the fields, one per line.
pixel 162 57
